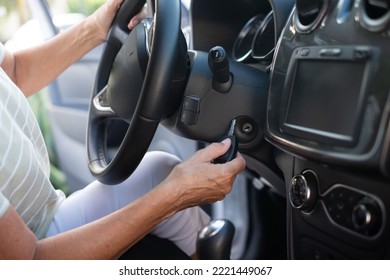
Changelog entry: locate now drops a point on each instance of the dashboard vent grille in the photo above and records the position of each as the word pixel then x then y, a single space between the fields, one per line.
pixel 309 13
pixel 374 15
pixel 376 9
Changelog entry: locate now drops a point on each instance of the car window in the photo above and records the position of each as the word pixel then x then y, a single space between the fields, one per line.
pixel 14 14
pixel 84 7
pixel 69 12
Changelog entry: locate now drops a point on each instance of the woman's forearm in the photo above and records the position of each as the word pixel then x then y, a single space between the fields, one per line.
pixel 109 237
pixel 34 68
pixel 193 182
pixel 105 238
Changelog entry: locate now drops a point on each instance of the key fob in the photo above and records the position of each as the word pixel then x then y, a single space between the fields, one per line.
pixel 232 152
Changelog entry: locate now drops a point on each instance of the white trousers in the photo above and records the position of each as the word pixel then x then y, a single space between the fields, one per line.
pixel 98 200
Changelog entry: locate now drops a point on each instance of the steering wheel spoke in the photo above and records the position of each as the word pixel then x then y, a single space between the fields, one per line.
pixel 101 105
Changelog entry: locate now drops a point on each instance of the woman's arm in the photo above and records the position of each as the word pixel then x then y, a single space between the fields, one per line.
pixel 105 238
pixel 34 68
pixel 193 182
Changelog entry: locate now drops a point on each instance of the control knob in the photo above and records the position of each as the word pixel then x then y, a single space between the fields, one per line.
pixel 366 216
pixel 303 191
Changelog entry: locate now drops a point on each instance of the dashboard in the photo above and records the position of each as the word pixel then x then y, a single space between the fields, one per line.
pixel 320 106
pixel 327 114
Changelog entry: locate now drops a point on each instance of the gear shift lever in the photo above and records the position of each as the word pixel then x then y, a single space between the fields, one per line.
pixel 215 240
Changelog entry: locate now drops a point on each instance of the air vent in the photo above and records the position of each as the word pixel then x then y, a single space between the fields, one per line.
pixel 374 15
pixel 309 13
pixel 376 9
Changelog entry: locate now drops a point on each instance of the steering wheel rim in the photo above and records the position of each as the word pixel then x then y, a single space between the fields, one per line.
pixel 161 41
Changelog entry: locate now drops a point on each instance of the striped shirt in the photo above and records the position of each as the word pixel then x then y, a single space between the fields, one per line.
pixel 24 163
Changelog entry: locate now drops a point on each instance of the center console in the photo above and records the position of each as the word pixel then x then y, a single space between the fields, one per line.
pixel 329 114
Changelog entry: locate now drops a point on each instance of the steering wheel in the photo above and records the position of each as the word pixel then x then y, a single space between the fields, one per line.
pixel 133 83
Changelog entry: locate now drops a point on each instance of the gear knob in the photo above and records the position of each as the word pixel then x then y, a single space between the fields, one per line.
pixel 215 240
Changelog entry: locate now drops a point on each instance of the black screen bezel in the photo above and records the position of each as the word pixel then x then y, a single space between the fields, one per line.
pixel 326 56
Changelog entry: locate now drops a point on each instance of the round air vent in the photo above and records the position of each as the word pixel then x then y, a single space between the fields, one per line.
pixel 374 15
pixel 309 13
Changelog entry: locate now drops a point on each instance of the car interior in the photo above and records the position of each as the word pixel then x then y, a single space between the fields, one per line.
pixel 302 85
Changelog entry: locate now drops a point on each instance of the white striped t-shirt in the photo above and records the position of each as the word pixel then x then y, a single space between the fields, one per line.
pixel 24 163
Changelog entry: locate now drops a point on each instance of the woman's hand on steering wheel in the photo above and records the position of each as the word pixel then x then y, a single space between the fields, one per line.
pixel 138 18
pixel 104 16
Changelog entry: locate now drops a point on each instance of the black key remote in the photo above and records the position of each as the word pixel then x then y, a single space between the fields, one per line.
pixel 232 152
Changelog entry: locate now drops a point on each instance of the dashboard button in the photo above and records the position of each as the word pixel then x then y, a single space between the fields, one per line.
pixel 361 54
pixel 353 210
pixel 333 52
pixel 366 216
pixel 304 52
pixel 303 191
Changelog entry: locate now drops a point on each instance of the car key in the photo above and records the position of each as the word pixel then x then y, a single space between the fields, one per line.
pixel 232 152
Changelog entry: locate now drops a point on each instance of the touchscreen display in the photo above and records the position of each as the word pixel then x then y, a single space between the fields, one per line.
pixel 325 98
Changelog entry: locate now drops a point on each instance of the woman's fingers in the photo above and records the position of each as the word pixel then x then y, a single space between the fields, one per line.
pixel 138 18
pixel 212 151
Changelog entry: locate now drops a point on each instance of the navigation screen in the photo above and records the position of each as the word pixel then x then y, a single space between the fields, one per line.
pixel 325 98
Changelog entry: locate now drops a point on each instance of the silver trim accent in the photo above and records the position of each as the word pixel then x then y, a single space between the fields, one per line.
pixel 370 24
pixel 212 229
pixel 149 26
pixel 268 22
pixel 249 29
pixel 312 26
pixel 101 103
